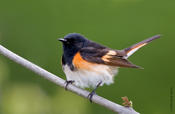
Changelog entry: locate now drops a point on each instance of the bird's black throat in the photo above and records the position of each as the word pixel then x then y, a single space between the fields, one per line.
pixel 68 54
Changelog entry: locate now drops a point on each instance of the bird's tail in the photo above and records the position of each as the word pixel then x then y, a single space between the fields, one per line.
pixel 130 50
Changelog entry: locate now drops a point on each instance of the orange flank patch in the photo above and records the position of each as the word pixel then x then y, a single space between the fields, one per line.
pixel 80 63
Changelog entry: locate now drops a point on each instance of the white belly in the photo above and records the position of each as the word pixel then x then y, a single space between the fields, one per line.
pixel 86 79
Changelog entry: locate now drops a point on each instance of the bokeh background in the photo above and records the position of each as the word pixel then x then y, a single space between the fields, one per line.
pixel 31 28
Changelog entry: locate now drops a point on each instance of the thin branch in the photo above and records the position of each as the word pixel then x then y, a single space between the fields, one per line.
pixel 55 79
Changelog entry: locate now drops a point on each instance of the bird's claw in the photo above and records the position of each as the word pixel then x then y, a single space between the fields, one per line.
pixel 67 82
pixel 93 92
pixel 91 95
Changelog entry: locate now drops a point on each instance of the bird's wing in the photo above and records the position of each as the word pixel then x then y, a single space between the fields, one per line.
pixel 106 56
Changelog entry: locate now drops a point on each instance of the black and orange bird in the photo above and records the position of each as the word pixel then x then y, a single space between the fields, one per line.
pixel 90 65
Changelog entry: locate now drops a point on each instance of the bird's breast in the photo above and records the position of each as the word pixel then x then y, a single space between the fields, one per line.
pixel 90 76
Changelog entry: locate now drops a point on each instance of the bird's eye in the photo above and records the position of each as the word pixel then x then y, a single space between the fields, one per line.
pixel 70 40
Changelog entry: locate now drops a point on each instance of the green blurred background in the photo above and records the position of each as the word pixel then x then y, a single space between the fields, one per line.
pixel 30 29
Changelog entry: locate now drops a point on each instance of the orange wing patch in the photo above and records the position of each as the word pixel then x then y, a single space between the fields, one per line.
pixel 109 55
pixel 80 63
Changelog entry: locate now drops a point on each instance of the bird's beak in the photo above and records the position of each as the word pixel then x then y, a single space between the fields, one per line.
pixel 62 39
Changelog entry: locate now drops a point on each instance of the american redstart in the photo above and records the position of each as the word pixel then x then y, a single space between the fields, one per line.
pixel 88 64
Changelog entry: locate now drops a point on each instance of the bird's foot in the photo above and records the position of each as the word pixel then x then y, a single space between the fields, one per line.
pixel 93 92
pixel 67 82
pixel 91 95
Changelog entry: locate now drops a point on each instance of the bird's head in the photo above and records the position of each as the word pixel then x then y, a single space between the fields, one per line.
pixel 73 40
pixel 72 43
